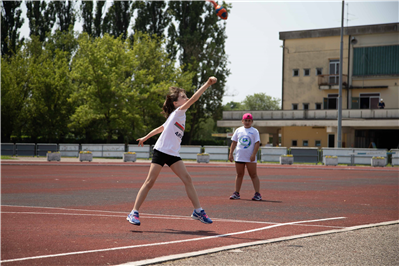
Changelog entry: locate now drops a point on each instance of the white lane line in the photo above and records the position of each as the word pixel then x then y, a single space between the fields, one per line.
pixel 169 242
pixel 156 216
pixel 250 244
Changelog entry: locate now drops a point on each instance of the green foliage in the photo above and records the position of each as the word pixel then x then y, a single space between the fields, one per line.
pixel 261 102
pixel 152 17
pixel 13 93
pixel 120 88
pixel 47 110
pixel 11 22
pixel 97 27
pixel 200 37
pixel 41 18
pixel 86 9
pixel 117 19
pixel 233 106
pixel 65 13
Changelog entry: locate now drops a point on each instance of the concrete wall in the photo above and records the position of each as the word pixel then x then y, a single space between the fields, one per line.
pixel 311 134
pixel 310 53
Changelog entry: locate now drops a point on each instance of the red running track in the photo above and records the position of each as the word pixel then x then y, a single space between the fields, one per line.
pixel 75 213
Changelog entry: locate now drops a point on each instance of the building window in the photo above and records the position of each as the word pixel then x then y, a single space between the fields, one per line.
pixel 306 72
pixel 319 71
pixel 318 106
pixel 295 72
pixel 331 102
pixel 369 100
pixel 294 143
pixel 305 106
pixel 317 143
pixel 294 106
pixel 305 143
pixel 334 72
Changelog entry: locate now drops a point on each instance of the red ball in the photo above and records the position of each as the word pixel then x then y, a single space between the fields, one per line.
pixel 221 12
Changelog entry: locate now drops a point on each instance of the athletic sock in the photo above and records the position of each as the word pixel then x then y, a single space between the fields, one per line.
pixel 198 210
pixel 135 211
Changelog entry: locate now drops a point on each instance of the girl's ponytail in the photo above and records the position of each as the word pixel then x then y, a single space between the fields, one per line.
pixel 173 95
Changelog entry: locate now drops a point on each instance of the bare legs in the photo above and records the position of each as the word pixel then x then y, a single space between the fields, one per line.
pixel 240 169
pixel 180 170
pixel 153 174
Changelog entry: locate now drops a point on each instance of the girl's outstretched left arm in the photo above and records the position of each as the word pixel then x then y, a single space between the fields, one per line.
pixel 149 135
pixel 198 93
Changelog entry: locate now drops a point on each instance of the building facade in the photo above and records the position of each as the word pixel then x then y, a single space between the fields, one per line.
pixel 310 88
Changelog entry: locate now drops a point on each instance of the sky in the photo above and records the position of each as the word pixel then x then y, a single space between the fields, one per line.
pixel 253 46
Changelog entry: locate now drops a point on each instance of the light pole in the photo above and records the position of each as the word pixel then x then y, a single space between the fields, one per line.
pixel 340 81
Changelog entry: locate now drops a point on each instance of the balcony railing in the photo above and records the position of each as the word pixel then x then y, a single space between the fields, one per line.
pixel 315 114
pixel 326 81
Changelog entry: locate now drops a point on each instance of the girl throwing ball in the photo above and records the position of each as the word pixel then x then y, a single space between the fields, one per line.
pixel 166 150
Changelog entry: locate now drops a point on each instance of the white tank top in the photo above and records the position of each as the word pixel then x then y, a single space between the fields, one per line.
pixel 173 131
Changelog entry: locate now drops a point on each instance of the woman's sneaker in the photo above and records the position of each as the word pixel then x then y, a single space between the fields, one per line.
pixel 235 195
pixel 201 216
pixel 257 196
pixel 133 218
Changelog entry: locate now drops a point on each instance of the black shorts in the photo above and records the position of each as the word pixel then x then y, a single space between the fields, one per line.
pixel 161 158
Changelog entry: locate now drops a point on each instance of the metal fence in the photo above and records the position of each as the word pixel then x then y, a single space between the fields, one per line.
pixel 43 148
pixel 189 152
pixel 272 154
pixel 141 152
pixel 220 153
pixel 349 156
pixel 395 157
pixel 305 155
pixel 8 149
pixel 345 155
pixel 69 150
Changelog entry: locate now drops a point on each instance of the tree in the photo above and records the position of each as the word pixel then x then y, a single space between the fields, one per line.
pixel 13 93
pixel 118 87
pixel 11 22
pixel 87 16
pixel 117 19
pixel 261 102
pixel 200 37
pixel 152 17
pixel 233 106
pixel 41 18
pixel 98 21
pixel 65 13
pixel 46 110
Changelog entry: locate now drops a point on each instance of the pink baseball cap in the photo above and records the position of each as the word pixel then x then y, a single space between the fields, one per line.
pixel 247 116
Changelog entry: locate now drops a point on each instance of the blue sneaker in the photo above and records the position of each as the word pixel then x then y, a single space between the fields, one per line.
pixel 235 195
pixel 257 196
pixel 133 218
pixel 201 216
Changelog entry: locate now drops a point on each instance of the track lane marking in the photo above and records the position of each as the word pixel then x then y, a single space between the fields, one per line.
pixel 156 216
pixel 169 242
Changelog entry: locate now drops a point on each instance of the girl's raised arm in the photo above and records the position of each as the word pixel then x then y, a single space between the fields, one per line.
pixel 149 135
pixel 198 93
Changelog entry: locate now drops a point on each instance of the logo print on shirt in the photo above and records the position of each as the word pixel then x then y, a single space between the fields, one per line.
pixel 245 141
pixel 179 126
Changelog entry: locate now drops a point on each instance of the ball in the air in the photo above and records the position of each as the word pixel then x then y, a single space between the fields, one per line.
pixel 221 12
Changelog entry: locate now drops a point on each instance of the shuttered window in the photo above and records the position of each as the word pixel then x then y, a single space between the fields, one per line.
pixel 378 60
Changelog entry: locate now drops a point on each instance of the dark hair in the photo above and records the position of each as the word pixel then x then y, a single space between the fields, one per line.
pixel 173 95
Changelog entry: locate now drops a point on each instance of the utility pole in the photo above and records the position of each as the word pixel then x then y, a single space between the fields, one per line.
pixel 340 81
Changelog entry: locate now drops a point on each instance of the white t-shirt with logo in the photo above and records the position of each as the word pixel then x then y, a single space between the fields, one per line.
pixel 246 139
pixel 173 131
